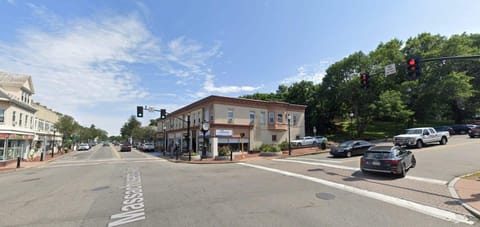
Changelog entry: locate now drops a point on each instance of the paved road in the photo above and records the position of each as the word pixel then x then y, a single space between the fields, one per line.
pixel 91 188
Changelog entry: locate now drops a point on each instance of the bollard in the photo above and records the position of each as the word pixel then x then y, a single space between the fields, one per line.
pixel 18 162
pixel 41 156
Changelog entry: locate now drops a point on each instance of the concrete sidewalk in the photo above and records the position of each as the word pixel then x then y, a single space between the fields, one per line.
pixel 468 191
pixel 12 165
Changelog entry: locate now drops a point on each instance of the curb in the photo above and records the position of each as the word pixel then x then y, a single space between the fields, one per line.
pixel 239 161
pixel 453 192
pixel 29 167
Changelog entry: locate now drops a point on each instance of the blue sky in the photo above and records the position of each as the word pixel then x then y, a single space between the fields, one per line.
pixel 98 60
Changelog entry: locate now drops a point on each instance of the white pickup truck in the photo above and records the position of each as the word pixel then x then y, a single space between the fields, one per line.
pixel 307 140
pixel 420 136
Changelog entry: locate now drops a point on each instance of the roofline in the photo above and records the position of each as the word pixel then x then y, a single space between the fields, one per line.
pixel 213 98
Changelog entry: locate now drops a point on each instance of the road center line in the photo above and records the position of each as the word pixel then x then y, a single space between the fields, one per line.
pixel 428 210
pixel 427 180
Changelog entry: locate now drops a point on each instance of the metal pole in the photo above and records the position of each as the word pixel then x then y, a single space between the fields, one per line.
pixel 351 127
pixel 289 145
pixel 164 141
pixel 204 149
pixel 53 147
pixel 188 139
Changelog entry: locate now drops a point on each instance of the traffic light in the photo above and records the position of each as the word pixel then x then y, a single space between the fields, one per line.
pixel 413 68
pixel 163 114
pixel 139 111
pixel 364 80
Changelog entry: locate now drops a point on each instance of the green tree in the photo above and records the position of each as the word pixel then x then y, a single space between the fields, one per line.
pixel 127 130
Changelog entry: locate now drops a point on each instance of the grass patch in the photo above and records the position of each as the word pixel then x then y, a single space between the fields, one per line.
pixel 475 176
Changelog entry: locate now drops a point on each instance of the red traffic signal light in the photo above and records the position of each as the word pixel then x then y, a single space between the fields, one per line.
pixel 364 80
pixel 413 68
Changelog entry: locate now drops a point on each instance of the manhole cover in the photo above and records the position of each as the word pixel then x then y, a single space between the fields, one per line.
pixel 325 196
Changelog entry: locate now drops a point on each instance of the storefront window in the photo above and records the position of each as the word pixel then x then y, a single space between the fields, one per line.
pixel 2 149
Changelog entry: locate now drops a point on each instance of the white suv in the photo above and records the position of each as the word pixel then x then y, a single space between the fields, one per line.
pixel 148 147
pixel 307 140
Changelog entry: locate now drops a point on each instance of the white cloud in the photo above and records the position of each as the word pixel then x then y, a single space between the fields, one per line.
pixel 84 62
pixel 313 72
pixel 210 87
pixel 12 2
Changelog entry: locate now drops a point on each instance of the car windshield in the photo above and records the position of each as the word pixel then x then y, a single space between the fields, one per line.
pixel 413 131
pixel 346 143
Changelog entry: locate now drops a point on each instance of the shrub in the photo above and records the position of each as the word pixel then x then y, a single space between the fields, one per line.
pixel 269 148
pixel 284 146
pixel 224 151
pixel 193 154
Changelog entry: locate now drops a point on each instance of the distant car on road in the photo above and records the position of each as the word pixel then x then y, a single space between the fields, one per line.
pixel 388 159
pixel 475 131
pixel 148 147
pixel 106 144
pixel 350 147
pixel 461 129
pixel 445 129
pixel 125 147
pixel 83 147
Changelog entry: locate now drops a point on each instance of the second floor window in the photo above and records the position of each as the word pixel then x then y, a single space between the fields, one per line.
pixel 13 117
pixel 271 117
pixel 20 120
pixel 230 116
pixel 279 117
pixel 262 118
pixel 294 119
pixel 26 120
pixel 2 115
pixel 252 117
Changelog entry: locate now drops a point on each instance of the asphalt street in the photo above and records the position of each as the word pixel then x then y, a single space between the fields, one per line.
pixel 103 187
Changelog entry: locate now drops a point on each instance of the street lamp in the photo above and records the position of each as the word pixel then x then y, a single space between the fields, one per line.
pixel 205 127
pixel 289 145
pixel 351 124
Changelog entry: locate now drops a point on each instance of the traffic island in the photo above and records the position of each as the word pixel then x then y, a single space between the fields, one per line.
pixel 466 190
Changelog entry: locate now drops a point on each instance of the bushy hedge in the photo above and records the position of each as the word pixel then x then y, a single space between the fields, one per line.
pixel 284 146
pixel 269 148
pixel 224 151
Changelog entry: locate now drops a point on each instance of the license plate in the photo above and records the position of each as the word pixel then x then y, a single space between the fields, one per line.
pixel 376 163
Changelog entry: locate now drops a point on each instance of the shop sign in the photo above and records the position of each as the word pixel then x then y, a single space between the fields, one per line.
pixel 223 132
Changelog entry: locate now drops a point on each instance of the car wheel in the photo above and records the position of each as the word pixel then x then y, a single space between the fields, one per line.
pixel 419 144
pixel 299 144
pixel 403 172
pixel 364 171
pixel 472 136
pixel 349 154
pixel 414 162
pixel 443 141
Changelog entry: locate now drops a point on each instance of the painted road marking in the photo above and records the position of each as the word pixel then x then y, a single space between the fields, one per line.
pixel 133 206
pixel 428 210
pixel 427 180
pixel 319 160
pixel 115 152
pixel 82 163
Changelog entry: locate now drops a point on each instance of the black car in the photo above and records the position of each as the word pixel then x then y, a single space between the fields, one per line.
pixel 387 159
pixel 350 147
pixel 445 129
pixel 126 147
pixel 461 129
pixel 474 131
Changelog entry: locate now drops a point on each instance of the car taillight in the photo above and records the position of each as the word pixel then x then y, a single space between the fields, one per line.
pixel 392 162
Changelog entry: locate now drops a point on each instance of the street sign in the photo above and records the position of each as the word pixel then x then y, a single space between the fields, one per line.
pixel 390 69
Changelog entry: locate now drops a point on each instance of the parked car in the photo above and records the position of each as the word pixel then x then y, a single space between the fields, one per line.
pixel 420 136
pixel 461 129
pixel 387 159
pixel 83 147
pixel 307 140
pixel 148 147
pixel 445 129
pixel 475 131
pixel 320 139
pixel 125 147
pixel 350 147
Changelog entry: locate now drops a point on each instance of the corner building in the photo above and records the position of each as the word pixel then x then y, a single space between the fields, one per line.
pixel 260 122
